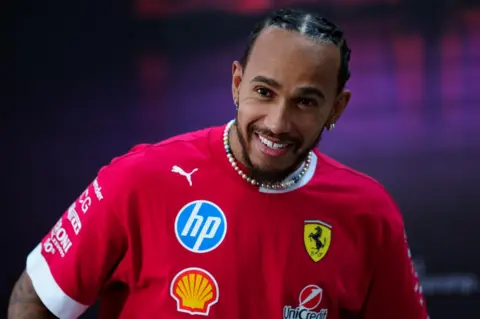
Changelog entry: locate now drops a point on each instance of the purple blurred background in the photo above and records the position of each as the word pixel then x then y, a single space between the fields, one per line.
pixel 85 82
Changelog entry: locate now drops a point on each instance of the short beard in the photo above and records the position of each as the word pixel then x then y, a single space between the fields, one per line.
pixel 274 175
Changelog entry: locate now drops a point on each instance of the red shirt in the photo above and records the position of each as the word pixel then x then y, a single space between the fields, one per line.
pixel 170 230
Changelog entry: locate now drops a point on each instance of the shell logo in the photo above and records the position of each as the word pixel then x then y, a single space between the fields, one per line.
pixel 195 291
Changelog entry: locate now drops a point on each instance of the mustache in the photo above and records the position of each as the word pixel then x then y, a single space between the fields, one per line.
pixel 284 137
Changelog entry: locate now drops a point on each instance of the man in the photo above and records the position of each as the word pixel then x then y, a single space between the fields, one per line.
pixel 246 220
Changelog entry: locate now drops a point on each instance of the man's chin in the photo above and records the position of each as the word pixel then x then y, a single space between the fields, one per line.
pixel 270 173
pixel 274 169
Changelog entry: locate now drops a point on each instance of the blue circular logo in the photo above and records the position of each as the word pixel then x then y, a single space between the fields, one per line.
pixel 200 226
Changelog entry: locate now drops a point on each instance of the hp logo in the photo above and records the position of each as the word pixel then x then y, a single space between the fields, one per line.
pixel 200 226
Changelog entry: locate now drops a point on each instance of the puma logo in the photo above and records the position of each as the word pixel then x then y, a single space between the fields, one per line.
pixel 180 171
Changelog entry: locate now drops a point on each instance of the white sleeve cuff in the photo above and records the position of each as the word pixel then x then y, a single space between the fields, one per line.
pixel 47 289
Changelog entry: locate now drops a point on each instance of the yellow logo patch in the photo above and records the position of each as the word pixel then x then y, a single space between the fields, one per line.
pixel 317 237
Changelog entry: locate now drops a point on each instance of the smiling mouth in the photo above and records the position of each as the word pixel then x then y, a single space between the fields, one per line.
pixel 270 144
pixel 271 148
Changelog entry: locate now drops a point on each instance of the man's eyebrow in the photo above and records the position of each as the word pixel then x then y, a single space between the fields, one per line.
pixel 309 90
pixel 268 81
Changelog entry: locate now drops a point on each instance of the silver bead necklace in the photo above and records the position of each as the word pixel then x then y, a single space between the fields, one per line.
pixel 278 185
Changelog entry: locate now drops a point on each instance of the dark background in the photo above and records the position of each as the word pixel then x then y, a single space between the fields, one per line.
pixel 83 82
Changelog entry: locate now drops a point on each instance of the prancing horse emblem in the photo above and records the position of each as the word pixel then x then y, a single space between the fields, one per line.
pixel 317 236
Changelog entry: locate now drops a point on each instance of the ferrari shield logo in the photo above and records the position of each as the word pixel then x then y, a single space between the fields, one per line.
pixel 317 237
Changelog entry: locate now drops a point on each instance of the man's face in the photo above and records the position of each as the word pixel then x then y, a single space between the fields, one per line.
pixel 287 95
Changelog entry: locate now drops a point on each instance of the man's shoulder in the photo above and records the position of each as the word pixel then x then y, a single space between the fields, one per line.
pixel 347 175
pixel 187 144
pixel 368 194
pixel 149 160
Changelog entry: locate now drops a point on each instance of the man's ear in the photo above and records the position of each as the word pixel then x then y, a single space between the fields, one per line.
pixel 237 73
pixel 340 106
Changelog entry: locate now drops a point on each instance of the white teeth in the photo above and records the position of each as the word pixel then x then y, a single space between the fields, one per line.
pixel 271 144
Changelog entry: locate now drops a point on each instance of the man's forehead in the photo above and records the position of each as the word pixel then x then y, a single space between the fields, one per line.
pixel 278 50
pixel 275 34
pixel 273 39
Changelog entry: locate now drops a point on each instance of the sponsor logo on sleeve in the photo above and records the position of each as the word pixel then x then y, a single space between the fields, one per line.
pixel 97 189
pixel 85 201
pixel 74 219
pixel 58 240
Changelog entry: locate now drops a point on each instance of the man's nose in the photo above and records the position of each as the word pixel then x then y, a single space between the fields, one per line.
pixel 278 119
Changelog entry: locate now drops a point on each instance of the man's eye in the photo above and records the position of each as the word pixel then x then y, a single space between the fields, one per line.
pixel 307 102
pixel 264 92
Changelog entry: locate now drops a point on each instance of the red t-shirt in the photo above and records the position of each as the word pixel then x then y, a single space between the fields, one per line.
pixel 171 230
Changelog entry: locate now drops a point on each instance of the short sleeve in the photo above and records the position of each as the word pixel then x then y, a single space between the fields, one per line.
pixel 73 261
pixel 395 290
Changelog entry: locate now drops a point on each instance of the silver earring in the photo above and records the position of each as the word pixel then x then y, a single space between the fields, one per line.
pixel 331 126
pixel 236 105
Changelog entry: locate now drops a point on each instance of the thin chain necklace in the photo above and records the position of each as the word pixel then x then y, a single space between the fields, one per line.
pixel 278 185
